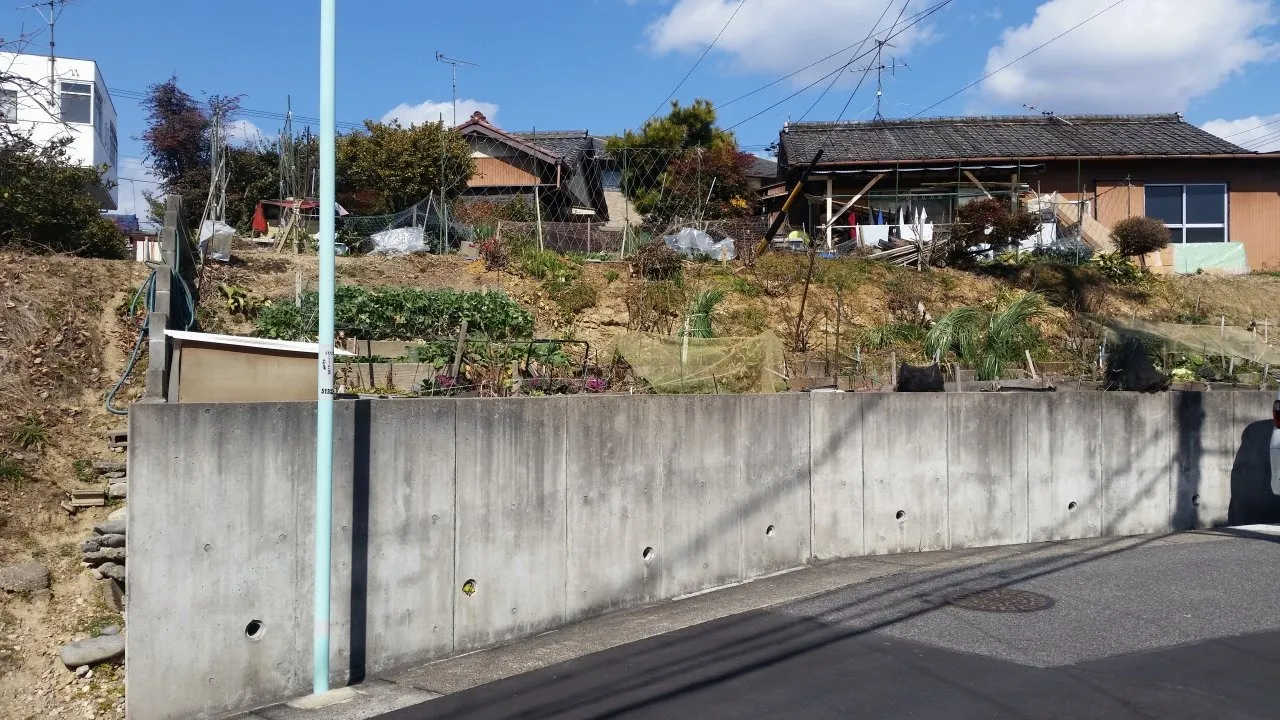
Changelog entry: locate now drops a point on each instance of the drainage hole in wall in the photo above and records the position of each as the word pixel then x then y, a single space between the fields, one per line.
pixel 469 588
pixel 1071 505
pixel 254 630
pixel 900 515
pixel 647 554
pixel 1195 499
pixel 768 531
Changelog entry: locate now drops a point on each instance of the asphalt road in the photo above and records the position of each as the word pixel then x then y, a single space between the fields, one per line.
pixel 1185 629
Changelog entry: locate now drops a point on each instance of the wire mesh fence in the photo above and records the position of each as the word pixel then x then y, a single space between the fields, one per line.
pixel 569 192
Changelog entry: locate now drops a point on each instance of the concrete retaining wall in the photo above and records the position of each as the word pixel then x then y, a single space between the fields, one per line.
pixel 562 508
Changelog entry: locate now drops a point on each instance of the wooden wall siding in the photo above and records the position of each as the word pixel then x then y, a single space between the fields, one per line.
pixel 492 172
pixel 1255 221
pixel 1117 200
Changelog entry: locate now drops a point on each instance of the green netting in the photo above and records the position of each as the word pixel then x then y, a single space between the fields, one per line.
pixel 705 365
pixel 1208 340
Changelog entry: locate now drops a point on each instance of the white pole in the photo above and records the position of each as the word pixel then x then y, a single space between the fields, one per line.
pixel 324 386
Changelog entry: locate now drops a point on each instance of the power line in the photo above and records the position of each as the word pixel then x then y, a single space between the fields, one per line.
pixel 836 77
pixel 917 19
pixel 1020 57
pixel 698 62
pixel 1258 142
pixel 140 97
pixel 1249 130
pixel 819 61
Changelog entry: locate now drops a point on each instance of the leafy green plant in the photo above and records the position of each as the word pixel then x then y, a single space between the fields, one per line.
pixel 29 432
pixel 390 313
pixel 698 317
pixel 547 265
pixel 990 338
pixel 878 337
pixel 239 302
pixel 84 471
pixel 573 297
pixel 1117 268
pixel 610 276
pixel 11 472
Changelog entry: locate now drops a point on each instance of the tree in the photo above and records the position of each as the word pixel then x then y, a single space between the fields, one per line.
pixel 1137 236
pixel 670 163
pixel 990 338
pixel 178 145
pixel 386 168
pixel 990 222
pixel 179 149
pixel 47 205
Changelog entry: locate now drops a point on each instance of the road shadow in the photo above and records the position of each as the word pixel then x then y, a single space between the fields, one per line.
pixel 1252 501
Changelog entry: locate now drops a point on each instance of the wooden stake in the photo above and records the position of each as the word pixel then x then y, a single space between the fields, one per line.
pixel 457 354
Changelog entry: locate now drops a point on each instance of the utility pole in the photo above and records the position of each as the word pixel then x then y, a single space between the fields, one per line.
pixel 454 63
pixel 324 375
pixel 50 16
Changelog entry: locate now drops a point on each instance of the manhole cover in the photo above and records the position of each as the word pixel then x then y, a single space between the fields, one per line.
pixel 1003 600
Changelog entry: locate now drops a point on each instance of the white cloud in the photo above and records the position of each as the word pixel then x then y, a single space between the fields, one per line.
pixel 1257 132
pixel 778 36
pixel 430 112
pixel 134 178
pixel 243 132
pixel 1141 56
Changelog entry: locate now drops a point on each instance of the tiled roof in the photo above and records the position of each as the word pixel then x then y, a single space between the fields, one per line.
pixel 1001 137
pixel 568 145
pixel 763 168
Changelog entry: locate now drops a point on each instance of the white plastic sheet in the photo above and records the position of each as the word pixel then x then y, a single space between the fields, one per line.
pixel 401 241
pixel 691 241
pixel 215 240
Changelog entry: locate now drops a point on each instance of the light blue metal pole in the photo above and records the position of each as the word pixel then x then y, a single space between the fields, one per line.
pixel 324 398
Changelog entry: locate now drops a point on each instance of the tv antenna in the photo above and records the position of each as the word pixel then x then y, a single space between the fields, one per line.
pixel 454 63
pixel 50 11
pixel 880 67
pixel 1051 115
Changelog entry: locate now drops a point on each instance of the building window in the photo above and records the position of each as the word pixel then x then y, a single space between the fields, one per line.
pixel 97 110
pixel 8 105
pixel 1193 213
pixel 113 144
pixel 77 102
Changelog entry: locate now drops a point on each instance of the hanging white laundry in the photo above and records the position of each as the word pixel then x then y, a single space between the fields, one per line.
pixel 870 235
pixel 926 227
pixel 905 231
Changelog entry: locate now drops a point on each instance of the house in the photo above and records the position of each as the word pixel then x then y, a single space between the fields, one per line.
pixel 69 99
pixel 565 172
pixel 763 172
pixel 1089 171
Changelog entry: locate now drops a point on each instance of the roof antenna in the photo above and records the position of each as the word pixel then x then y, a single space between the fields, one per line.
pixel 1049 114
pixel 880 67
pixel 442 58
pixel 54 12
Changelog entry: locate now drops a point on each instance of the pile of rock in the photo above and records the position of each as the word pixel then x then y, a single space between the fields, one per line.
pixel 104 552
pixel 116 477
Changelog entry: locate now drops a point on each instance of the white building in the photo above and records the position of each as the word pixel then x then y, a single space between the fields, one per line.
pixel 78 103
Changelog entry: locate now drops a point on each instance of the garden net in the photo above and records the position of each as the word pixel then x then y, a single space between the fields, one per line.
pixel 1208 340
pixel 705 365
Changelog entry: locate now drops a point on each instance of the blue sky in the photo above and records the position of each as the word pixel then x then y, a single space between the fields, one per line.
pixel 605 65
